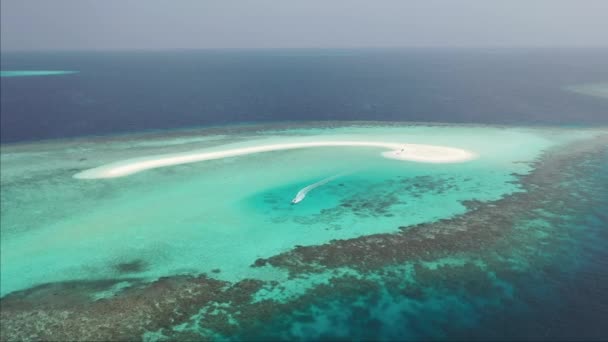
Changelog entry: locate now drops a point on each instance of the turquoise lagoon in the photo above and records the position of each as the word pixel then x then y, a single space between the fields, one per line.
pixel 218 217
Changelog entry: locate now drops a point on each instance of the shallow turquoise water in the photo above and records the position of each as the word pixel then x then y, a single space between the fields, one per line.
pixel 225 214
pixel 544 280
pixel 25 73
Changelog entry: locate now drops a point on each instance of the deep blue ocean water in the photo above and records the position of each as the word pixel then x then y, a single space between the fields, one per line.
pixel 116 92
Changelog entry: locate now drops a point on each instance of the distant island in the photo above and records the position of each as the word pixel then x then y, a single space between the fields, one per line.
pixel 591 89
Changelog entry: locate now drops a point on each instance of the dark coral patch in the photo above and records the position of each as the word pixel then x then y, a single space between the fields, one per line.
pixel 134 266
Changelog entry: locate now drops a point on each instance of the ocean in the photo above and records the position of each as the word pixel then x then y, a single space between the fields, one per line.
pixel 508 244
pixel 120 92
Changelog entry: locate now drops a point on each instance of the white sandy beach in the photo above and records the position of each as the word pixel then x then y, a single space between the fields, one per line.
pixel 405 152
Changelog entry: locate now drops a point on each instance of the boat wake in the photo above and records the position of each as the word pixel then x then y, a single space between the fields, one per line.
pixel 304 191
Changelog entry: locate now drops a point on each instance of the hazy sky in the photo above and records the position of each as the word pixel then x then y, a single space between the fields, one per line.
pixel 160 24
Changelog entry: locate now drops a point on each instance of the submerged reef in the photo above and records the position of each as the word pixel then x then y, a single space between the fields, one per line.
pixel 507 260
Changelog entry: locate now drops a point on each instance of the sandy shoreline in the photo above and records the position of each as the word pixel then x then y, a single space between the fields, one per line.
pixel 406 152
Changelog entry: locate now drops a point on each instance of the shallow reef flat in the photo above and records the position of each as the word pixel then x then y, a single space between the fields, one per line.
pixel 28 73
pixel 215 250
pixel 591 89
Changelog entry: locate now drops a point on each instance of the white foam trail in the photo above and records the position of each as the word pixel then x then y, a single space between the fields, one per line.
pixel 304 191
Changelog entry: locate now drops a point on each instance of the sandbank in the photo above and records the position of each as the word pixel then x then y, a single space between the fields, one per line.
pixel 405 152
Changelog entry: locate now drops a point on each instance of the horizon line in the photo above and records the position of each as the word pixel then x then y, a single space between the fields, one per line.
pixel 343 48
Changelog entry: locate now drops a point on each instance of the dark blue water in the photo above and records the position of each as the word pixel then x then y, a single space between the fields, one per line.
pixel 118 92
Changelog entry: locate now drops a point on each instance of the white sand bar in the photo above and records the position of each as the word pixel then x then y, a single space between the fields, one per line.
pixel 407 152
